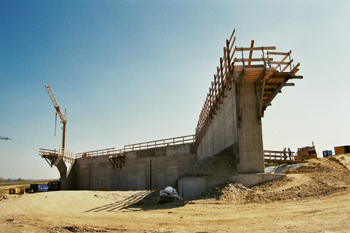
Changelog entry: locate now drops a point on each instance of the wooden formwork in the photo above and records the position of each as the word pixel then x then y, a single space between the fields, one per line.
pixel 270 72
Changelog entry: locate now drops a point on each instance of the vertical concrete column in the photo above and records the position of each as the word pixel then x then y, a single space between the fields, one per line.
pixel 62 168
pixel 250 142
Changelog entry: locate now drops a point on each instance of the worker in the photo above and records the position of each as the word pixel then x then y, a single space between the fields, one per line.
pixel 290 154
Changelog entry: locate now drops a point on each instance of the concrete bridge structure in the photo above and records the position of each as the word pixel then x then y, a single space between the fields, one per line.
pixel 246 82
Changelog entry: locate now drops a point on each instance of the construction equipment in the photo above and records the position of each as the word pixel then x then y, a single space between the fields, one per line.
pixel 304 153
pixel 62 117
pixel 14 191
pixel 39 187
pixel 341 149
pixel 54 186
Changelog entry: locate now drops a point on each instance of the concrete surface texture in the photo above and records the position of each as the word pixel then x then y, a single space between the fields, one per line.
pixel 147 169
pixel 250 141
pixel 190 187
pixel 223 130
pixel 239 136
pixel 232 132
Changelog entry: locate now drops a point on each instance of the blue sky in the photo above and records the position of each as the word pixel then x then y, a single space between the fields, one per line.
pixel 135 71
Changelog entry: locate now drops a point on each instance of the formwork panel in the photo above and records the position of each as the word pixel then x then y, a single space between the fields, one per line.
pixel 185 163
pixel 159 171
pixel 172 169
pixel 141 175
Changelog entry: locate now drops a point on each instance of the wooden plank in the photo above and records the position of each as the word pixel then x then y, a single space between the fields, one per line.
pixel 233 33
pixel 296 77
pixel 285 57
pixel 251 53
pixel 280 53
pixel 255 48
pixel 289 64
pixel 295 68
pixel 231 46
pixel 289 84
pixel 280 63
pixel 239 68
pixel 233 50
pixel 252 60
pixel 262 93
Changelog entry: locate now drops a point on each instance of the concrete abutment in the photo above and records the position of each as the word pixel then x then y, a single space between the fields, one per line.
pixel 229 125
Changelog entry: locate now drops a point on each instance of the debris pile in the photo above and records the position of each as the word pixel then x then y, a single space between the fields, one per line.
pixel 3 196
pixel 169 194
pixel 234 193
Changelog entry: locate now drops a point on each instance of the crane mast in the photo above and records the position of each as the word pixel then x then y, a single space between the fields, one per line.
pixel 62 117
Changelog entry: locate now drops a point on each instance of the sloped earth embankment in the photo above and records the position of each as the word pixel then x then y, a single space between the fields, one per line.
pixel 320 177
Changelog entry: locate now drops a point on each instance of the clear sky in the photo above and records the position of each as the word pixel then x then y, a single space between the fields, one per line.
pixel 136 71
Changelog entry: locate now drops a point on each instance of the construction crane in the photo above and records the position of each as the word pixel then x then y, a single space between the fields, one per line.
pixel 63 117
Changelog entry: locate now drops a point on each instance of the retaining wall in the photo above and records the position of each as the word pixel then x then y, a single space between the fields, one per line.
pixel 143 170
pixel 190 187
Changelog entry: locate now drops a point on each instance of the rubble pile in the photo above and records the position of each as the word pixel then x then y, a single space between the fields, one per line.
pixel 2 196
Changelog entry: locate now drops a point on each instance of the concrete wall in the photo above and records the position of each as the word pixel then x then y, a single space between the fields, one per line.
pixel 152 169
pixel 223 130
pixel 190 187
pixel 241 138
pixel 251 152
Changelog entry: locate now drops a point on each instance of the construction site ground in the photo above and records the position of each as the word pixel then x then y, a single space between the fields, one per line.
pixel 312 198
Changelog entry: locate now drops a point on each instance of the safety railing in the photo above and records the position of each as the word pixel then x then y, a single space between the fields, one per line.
pixel 279 156
pixel 60 152
pixel 112 152
pixel 109 151
pixel 224 79
pixel 160 143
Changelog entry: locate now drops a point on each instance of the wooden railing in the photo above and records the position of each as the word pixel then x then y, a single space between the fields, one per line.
pixel 279 156
pixel 109 151
pixel 56 153
pixel 217 90
pixel 160 143
pixel 224 78
pixel 112 152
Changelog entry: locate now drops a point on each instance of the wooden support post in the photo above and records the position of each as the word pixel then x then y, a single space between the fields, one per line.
pixel 250 53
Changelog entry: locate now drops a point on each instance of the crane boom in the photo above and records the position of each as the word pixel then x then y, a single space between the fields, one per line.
pixel 55 104
pixel 57 107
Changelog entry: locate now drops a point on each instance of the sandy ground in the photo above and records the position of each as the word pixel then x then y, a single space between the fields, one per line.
pixel 312 198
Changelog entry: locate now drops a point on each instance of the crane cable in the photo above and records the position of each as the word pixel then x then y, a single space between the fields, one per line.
pixel 55 123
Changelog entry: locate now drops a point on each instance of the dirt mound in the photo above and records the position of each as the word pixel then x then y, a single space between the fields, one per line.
pixel 215 165
pixel 319 177
pixel 2 196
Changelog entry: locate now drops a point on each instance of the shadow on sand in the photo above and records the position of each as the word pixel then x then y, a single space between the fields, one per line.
pixel 142 201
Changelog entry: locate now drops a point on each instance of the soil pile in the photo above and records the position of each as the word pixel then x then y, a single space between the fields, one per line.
pixel 319 177
pixel 3 197
pixel 213 166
